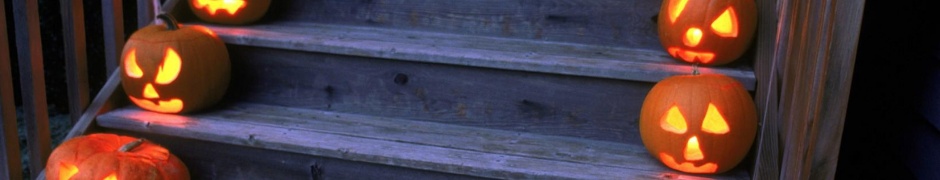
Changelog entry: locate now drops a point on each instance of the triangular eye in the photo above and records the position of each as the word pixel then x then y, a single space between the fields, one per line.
pixel 673 121
pixel 130 65
pixel 727 24
pixel 675 9
pixel 714 123
pixel 170 69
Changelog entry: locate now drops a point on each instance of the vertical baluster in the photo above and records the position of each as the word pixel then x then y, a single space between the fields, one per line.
pixel 144 12
pixel 9 147
pixel 76 64
pixel 113 21
pixel 32 82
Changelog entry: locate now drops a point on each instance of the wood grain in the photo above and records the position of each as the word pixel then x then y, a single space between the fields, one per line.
pixel 76 58
pixel 601 109
pixel 600 22
pixel 767 69
pixel 9 141
pixel 821 43
pixel 475 51
pixel 32 82
pixel 396 142
pixel 226 161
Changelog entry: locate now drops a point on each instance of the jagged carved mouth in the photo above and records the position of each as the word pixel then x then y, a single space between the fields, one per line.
pixel 174 105
pixel 692 56
pixel 687 166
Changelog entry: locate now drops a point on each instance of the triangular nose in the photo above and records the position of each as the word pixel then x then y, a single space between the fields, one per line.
pixel 149 92
pixel 692 150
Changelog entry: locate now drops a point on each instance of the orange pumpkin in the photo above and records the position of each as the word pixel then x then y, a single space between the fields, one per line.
pixel 173 69
pixel 233 12
pixel 698 123
pixel 113 157
pixel 710 32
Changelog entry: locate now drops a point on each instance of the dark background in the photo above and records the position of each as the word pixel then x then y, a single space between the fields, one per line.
pixel 892 126
pixel 894 93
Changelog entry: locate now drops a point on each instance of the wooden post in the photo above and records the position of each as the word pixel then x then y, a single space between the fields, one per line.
pixel 76 63
pixel 766 161
pixel 818 42
pixel 9 142
pixel 112 16
pixel 32 82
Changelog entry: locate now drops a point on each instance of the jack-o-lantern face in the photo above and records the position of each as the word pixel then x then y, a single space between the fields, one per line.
pixel 698 123
pixel 174 71
pixel 710 32
pixel 112 157
pixel 229 11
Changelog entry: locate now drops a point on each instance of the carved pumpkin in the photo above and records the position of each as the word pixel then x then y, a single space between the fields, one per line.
pixel 172 69
pixel 113 157
pixel 229 11
pixel 698 123
pixel 710 32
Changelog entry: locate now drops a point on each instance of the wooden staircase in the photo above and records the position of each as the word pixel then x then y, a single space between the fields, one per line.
pixel 409 89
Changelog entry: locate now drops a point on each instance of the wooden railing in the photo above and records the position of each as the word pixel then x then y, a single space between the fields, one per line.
pixel 32 83
pixel 788 57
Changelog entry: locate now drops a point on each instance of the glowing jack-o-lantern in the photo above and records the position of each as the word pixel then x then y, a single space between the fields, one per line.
pixel 113 157
pixel 698 123
pixel 229 11
pixel 172 69
pixel 710 32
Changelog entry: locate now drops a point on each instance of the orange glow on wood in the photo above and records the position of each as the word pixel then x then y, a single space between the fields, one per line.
pixel 66 171
pixel 174 105
pixel 692 37
pixel 170 69
pixel 213 6
pixel 691 56
pixel 692 150
pixel 687 166
pixel 675 9
pixel 159 119
pixel 714 123
pixel 673 121
pixel 130 65
pixel 113 176
pixel 727 24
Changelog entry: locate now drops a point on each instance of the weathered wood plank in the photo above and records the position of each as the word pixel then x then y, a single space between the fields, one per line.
pixel 601 109
pixel 112 14
pixel 821 42
pixel 9 141
pixel 620 23
pixel 414 144
pixel 76 59
pixel 767 70
pixel 225 161
pixel 476 51
pixel 32 79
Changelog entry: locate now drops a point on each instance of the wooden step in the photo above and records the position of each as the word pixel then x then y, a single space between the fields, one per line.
pixel 437 147
pixel 634 64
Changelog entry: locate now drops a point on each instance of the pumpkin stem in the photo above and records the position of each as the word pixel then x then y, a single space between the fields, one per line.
pixel 171 23
pixel 131 145
pixel 695 69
